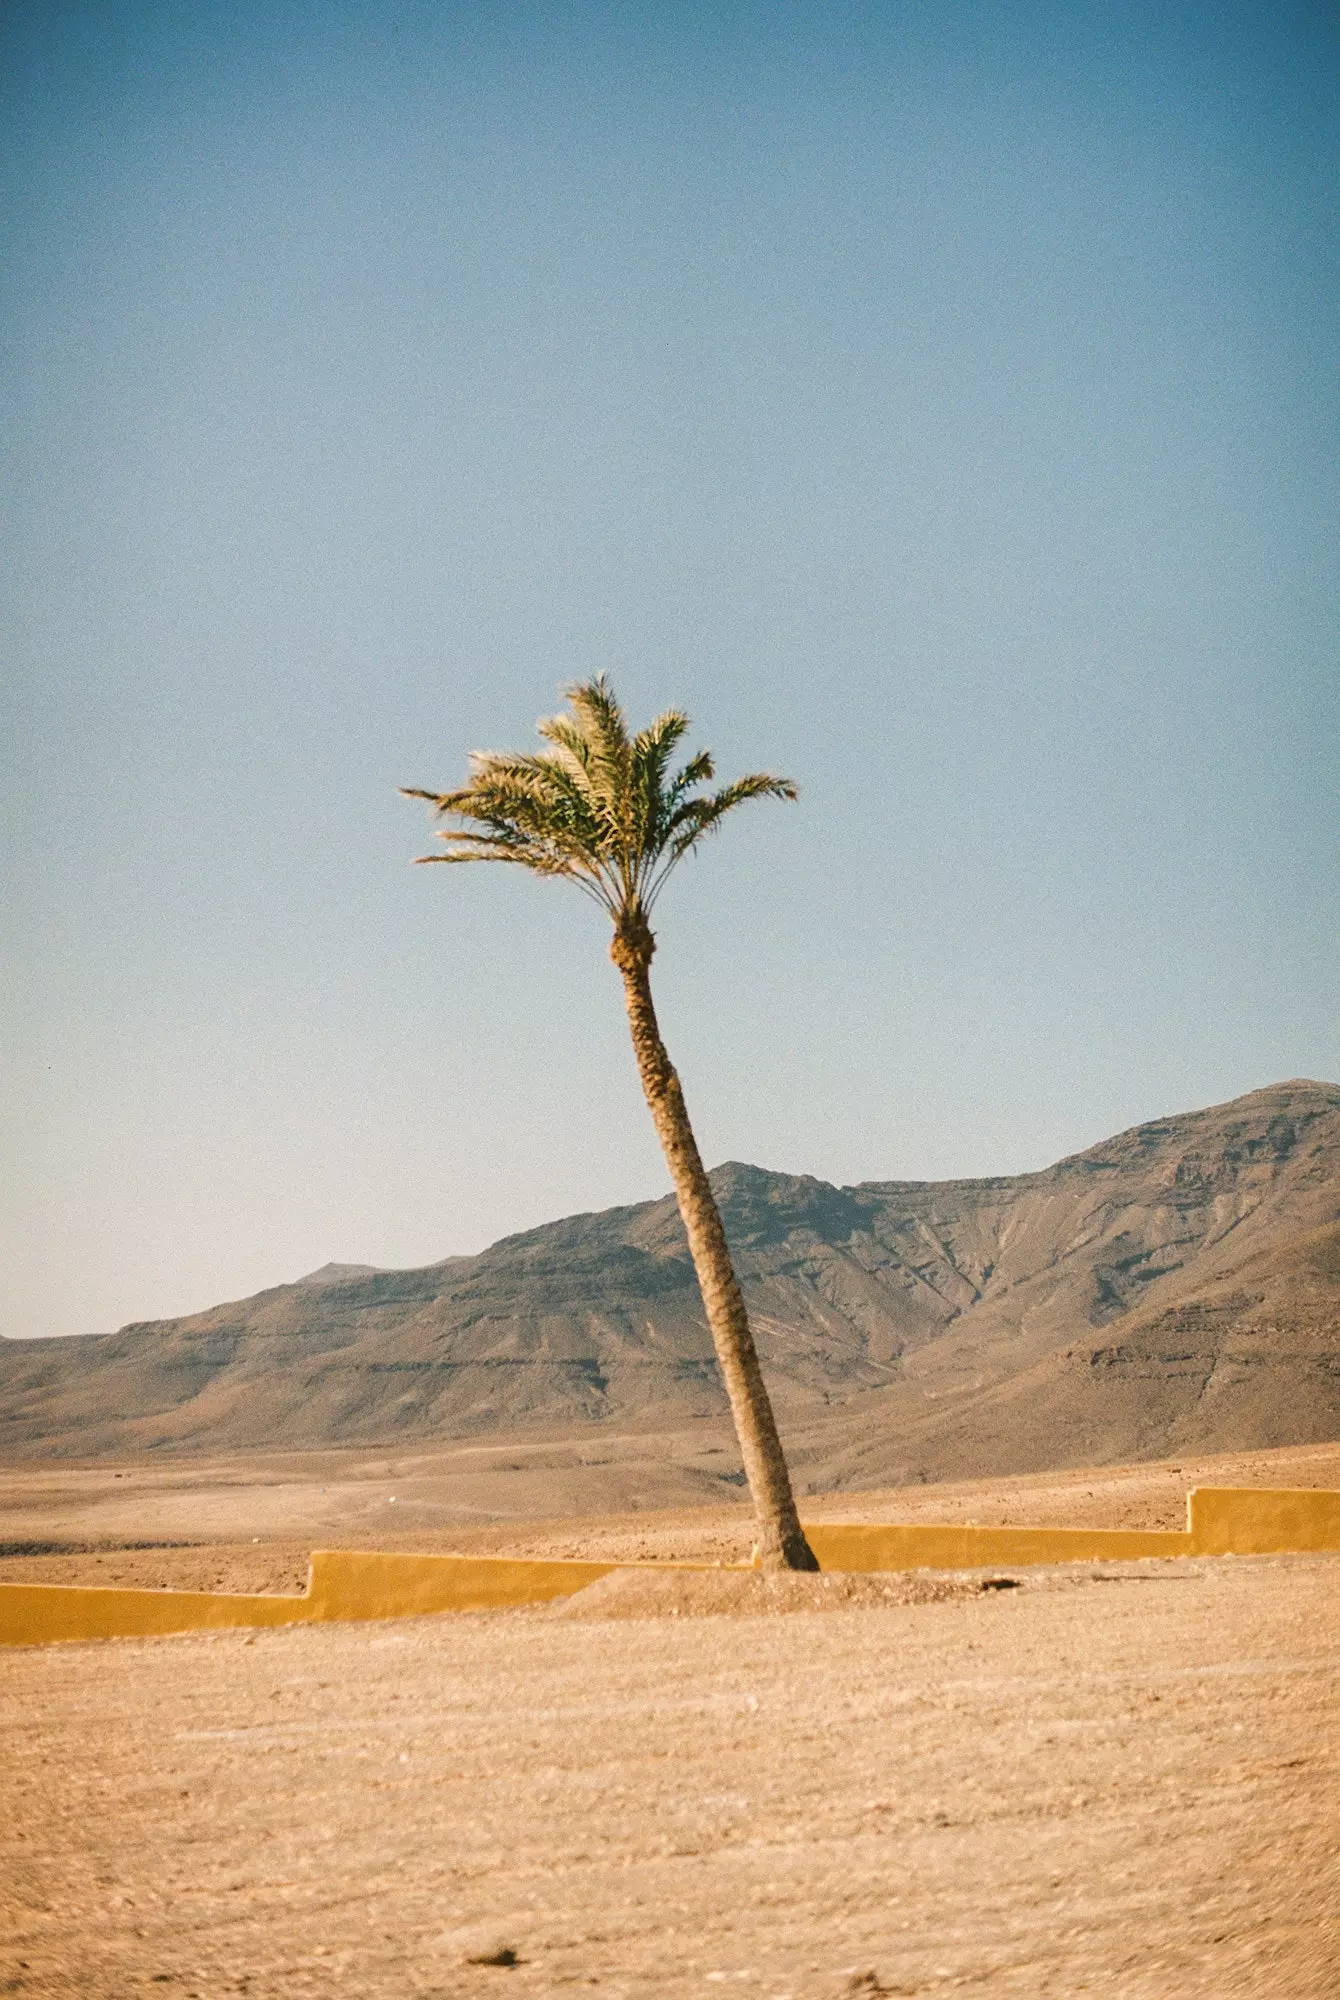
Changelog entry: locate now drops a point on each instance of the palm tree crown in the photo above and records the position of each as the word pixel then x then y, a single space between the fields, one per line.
pixel 601 807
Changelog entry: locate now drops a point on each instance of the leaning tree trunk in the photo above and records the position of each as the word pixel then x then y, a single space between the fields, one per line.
pixel 781 1539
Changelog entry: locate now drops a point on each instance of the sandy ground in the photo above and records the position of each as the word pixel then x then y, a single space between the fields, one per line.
pixel 1105 1779
pixel 249 1523
pixel 1117 1780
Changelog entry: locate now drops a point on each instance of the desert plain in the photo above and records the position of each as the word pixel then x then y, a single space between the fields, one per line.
pixel 1119 1779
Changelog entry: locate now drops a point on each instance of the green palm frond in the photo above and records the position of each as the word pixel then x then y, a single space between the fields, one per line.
pixel 599 807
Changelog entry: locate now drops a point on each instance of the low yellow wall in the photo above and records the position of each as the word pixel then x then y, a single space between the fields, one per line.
pixel 839 1546
pixel 31 1614
pixel 346 1584
pixel 342 1584
pixel 1263 1521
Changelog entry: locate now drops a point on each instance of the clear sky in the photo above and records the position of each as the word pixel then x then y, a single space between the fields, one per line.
pixel 937 400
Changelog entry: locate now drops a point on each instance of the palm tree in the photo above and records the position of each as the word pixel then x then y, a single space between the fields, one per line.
pixel 606 811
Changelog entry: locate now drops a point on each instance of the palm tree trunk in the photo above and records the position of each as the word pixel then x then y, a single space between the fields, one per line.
pixel 781 1539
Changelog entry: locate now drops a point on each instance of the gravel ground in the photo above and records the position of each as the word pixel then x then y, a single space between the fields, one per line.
pixel 1116 1780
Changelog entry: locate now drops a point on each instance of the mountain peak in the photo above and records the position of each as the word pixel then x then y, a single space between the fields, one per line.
pixel 337 1274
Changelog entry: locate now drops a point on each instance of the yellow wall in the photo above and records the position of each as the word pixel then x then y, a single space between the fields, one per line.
pixel 345 1584
pixel 1256 1521
pixel 874 1548
pixel 341 1585
pixel 33 1613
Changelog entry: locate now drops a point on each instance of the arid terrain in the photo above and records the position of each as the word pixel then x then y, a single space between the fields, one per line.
pixel 1173 1289
pixel 249 1522
pixel 1114 1779
pixel 1117 1779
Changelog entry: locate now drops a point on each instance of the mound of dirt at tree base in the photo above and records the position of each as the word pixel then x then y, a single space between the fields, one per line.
pixel 745 1593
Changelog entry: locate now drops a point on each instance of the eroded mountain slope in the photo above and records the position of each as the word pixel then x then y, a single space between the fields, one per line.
pixel 990 1324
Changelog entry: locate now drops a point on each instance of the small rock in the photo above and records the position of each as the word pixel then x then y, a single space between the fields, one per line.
pixel 480 1944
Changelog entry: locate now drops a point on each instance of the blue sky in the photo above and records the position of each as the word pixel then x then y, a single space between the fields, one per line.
pixel 938 401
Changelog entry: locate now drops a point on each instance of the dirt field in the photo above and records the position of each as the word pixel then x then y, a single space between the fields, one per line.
pixel 1095 1783
pixel 1117 1779
pixel 249 1523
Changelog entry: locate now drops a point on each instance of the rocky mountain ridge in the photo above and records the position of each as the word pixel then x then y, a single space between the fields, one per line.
pixel 1180 1281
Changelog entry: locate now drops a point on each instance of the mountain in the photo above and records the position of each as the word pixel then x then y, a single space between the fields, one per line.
pixel 1174 1288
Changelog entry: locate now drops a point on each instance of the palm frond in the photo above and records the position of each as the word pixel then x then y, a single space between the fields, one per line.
pixel 598 807
pixel 600 719
pixel 609 765
pixel 571 754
